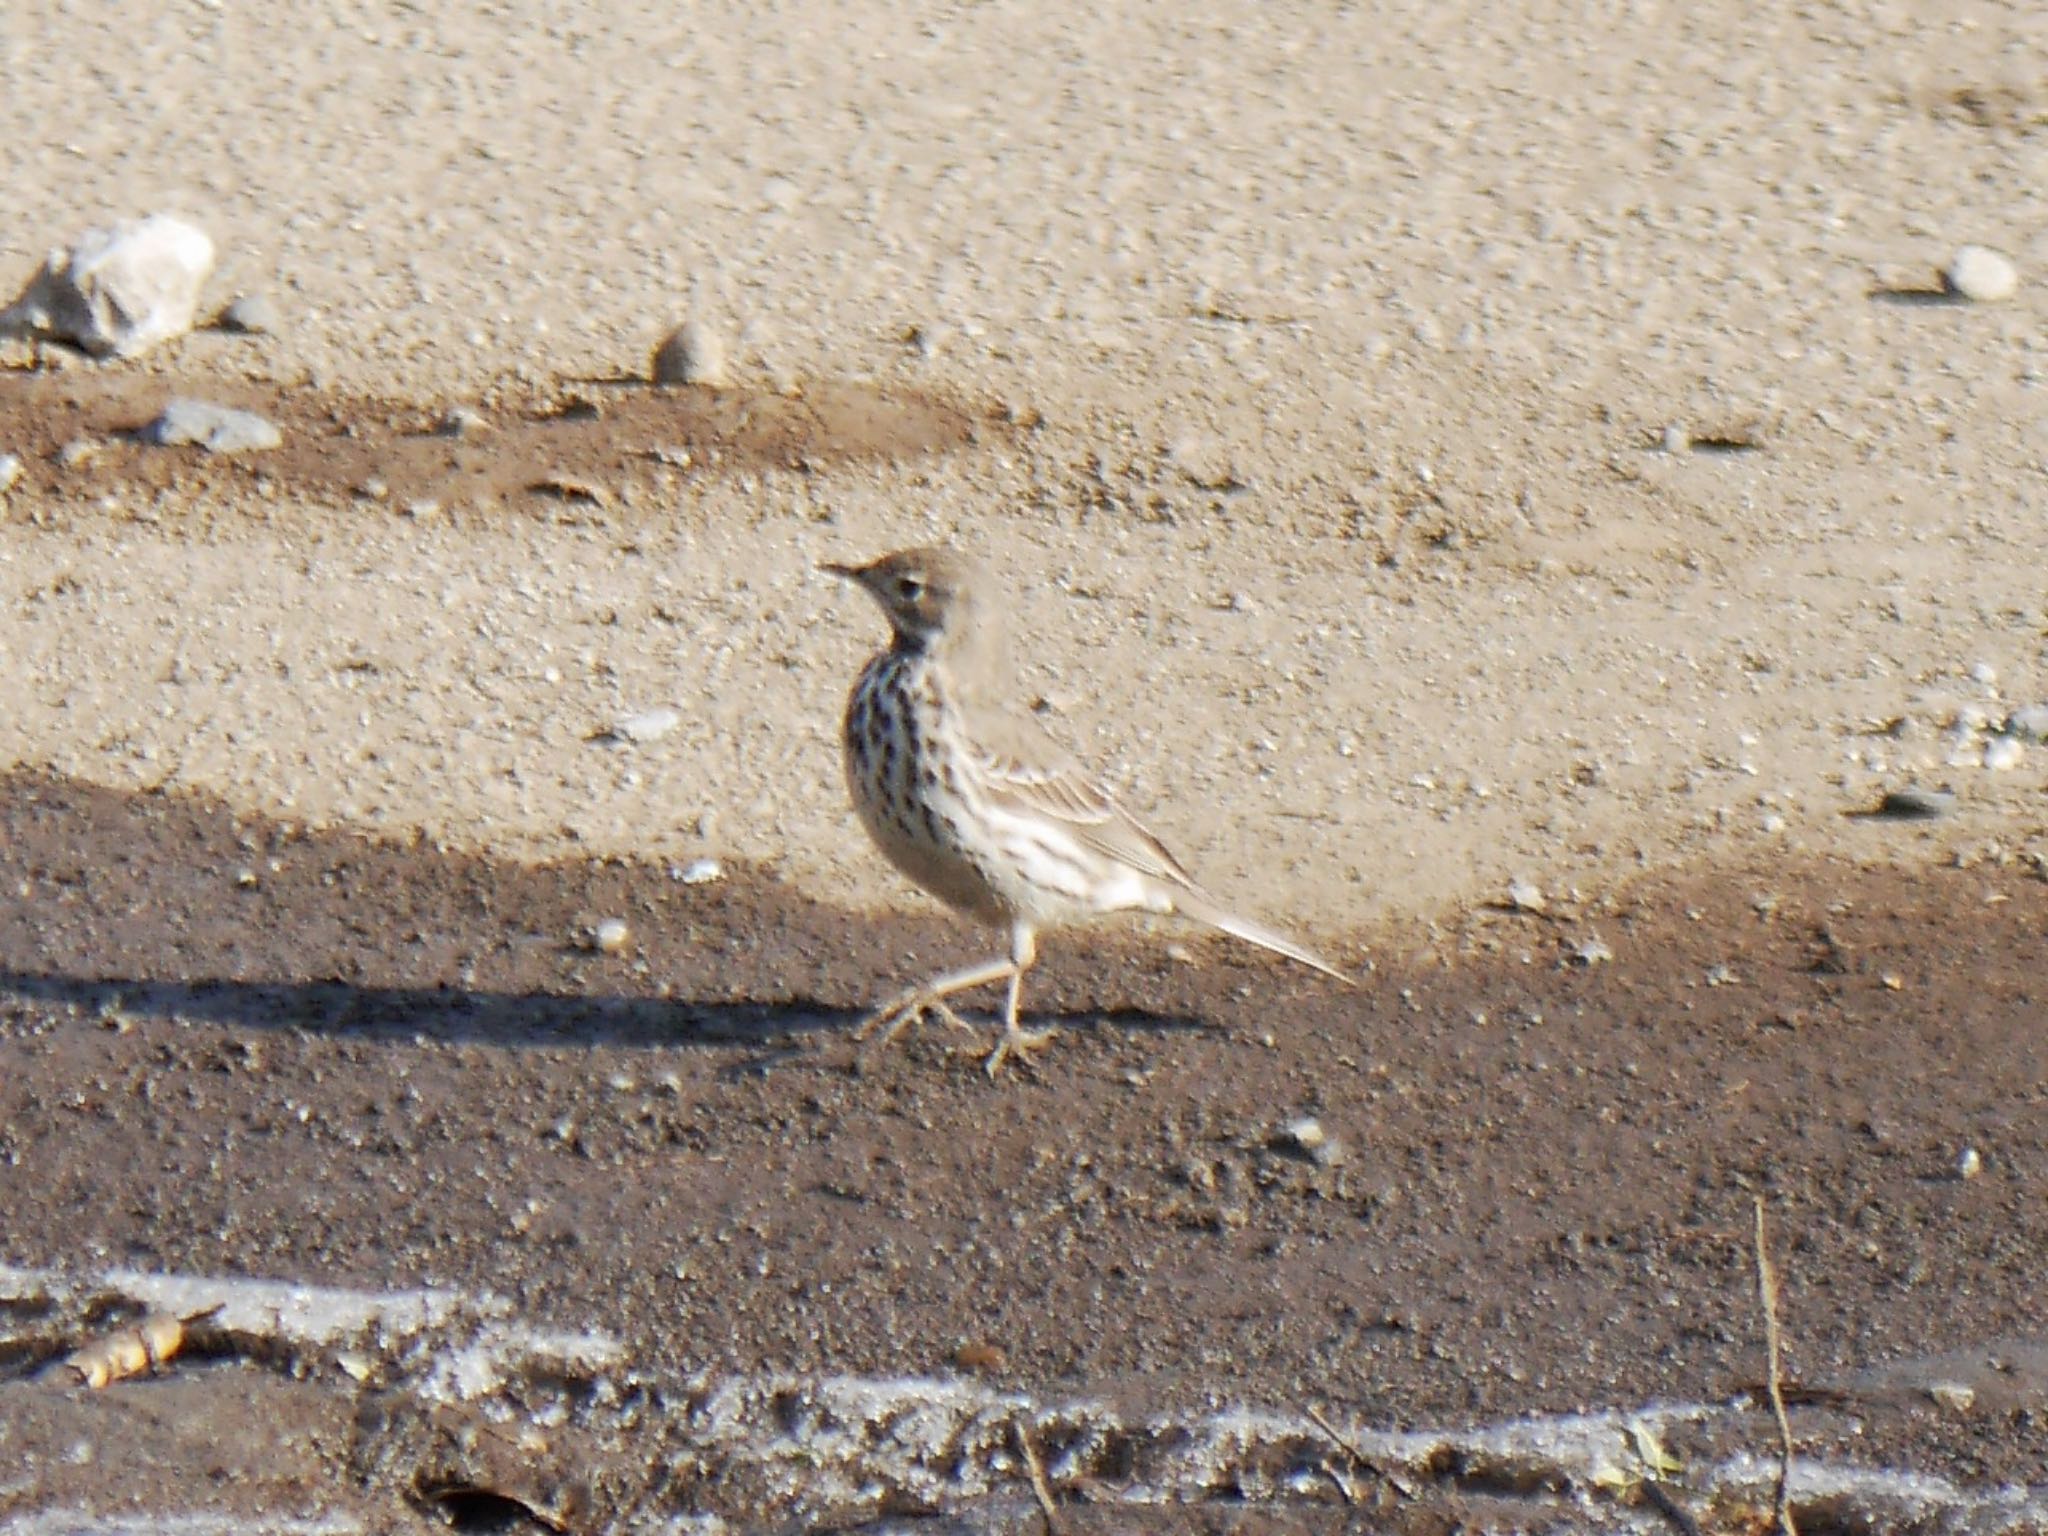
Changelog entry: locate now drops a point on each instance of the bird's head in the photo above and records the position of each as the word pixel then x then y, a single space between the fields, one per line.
pixel 928 594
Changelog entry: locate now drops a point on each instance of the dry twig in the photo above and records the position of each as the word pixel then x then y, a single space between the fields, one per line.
pixel 1359 1459
pixel 1040 1488
pixel 1767 1294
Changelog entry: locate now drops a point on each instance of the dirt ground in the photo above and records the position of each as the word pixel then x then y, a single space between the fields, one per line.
pixel 1437 452
pixel 239 1047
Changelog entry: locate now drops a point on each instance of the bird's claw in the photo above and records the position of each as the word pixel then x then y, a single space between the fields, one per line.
pixel 1020 1043
pixel 893 1018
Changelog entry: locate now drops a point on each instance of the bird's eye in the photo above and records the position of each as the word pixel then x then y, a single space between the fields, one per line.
pixel 909 588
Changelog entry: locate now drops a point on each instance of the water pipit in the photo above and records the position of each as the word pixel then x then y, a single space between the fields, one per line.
pixel 974 802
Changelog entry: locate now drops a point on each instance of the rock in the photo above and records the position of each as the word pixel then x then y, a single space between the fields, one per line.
pixel 2003 752
pixel 216 428
pixel 611 935
pixel 250 315
pixel 1915 804
pixel 78 452
pixel 698 872
pixel 1982 276
pixel 1302 1135
pixel 1677 440
pixel 2028 724
pixel 1969 1163
pixel 116 292
pixel 1955 1396
pixel 464 421
pixel 10 471
pixel 649 725
pixel 692 354
pixel 1524 896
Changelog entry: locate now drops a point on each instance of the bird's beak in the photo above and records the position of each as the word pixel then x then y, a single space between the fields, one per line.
pixel 849 572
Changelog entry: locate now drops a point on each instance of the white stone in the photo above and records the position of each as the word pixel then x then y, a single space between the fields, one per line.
pixel 2003 752
pixel 1955 1396
pixel 612 935
pixel 2029 723
pixel 1306 1133
pixel 1982 276
pixel 116 292
pixel 216 428
pixel 1969 1163
pixel 251 315
pixel 649 725
pixel 10 471
pixel 700 872
pixel 691 354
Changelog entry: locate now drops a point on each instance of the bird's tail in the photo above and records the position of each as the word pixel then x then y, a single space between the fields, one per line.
pixel 1203 909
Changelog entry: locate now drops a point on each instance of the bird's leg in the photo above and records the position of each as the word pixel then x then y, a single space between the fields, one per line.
pixel 930 997
pixel 1017 1042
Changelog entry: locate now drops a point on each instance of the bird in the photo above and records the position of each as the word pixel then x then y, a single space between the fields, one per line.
pixel 971 799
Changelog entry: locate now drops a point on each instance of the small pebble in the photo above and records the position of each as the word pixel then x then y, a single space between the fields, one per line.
pixel 611 935
pixel 1593 951
pixel 1981 275
pixel 1983 674
pixel 1969 1163
pixel 700 872
pixel 2003 752
pixel 10 471
pixel 216 428
pixel 1524 896
pixel 250 315
pixel 1677 440
pixel 650 725
pixel 1302 1135
pixel 691 354
pixel 422 510
pixel 2028 724
pixel 464 421
pixel 77 453
pixel 1955 1396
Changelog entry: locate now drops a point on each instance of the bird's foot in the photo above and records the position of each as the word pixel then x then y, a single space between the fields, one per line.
pixel 893 1018
pixel 1020 1043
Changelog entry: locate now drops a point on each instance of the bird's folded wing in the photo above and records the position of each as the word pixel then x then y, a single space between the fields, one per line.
pixel 1022 770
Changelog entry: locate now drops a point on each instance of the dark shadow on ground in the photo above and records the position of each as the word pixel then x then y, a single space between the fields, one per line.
pixel 172 903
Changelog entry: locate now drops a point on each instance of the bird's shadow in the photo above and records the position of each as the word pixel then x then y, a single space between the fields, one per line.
pixel 173 905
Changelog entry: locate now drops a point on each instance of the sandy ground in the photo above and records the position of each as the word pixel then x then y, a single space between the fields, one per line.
pixel 1307 371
